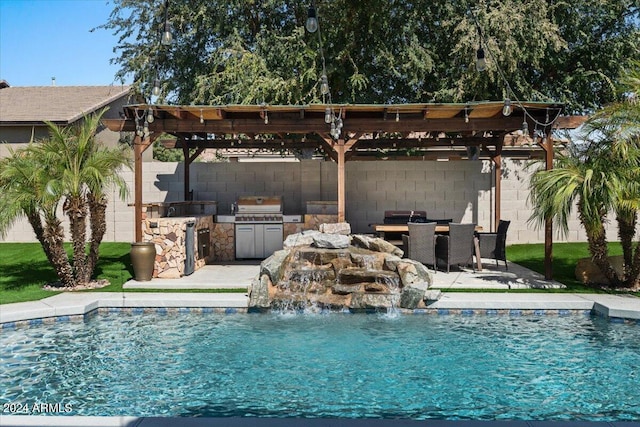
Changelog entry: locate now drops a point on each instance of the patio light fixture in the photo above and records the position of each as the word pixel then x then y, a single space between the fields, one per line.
pixel 506 110
pixel 150 117
pixel 328 115
pixel 312 21
pixel 156 87
pixel 324 84
pixel 335 121
pixel 481 62
pixel 167 36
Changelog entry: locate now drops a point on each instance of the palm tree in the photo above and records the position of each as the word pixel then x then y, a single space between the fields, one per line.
pixel 72 168
pixel 23 192
pixel 599 177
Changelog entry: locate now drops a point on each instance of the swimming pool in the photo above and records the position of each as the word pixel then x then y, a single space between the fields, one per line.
pixel 335 365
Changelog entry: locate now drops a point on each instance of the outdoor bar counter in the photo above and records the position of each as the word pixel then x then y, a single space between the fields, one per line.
pixel 181 232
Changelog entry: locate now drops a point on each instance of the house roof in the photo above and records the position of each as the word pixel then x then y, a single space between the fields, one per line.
pixel 57 104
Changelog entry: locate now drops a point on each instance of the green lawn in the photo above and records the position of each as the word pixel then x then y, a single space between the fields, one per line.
pixel 24 268
pixel 565 257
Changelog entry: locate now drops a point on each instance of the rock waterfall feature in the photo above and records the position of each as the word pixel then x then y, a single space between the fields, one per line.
pixel 333 269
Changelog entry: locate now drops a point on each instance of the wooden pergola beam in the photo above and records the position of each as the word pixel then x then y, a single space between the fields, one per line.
pixel 317 125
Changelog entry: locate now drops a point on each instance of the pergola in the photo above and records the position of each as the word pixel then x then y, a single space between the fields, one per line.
pixel 369 132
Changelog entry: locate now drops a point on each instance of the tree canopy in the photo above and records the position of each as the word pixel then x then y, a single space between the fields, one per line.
pixel 378 51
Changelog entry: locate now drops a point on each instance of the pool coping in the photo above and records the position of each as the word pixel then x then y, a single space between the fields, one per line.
pixel 64 305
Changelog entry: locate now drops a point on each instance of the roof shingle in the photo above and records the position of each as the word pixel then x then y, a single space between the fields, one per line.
pixel 58 104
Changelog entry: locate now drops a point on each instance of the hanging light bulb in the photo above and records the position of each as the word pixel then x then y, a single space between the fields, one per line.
pixel 525 127
pixel 266 117
pixel 312 21
pixel 506 110
pixel 324 84
pixel 150 117
pixel 397 116
pixel 201 117
pixel 156 87
pixel 481 62
pixel 328 115
pixel 167 37
pixel 466 114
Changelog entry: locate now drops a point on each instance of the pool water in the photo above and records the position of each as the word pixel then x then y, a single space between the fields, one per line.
pixel 335 365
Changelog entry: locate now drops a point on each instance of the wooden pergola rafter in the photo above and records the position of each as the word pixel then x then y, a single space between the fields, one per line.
pixel 408 131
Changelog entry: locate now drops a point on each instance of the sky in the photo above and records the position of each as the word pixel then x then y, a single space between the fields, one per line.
pixel 41 39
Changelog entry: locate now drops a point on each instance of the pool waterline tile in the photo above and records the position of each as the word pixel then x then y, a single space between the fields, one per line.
pixel 61 308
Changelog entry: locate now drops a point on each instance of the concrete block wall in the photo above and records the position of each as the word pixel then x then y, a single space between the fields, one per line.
pixel 444 189
pixel 461 190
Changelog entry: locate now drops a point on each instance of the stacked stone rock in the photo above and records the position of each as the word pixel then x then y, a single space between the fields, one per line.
pixel 223 238
pixel 331 268
pixel 168 235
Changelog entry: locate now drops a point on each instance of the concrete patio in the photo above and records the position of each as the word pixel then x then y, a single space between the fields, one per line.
pixel 239 274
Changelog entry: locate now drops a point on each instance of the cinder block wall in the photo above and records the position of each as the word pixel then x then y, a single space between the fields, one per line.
pixel 461 190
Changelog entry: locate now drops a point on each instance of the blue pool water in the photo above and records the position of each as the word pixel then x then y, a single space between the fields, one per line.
pixel 336 365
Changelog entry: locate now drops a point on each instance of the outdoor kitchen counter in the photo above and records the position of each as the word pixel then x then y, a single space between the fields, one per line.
pixel 183 243
pixel 223 234
pixel 179 208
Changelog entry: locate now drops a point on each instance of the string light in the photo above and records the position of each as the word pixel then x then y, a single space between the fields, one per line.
pixel 312 21
pixel 324 84
pixel 328 115
pixel 313 25
pixel 156 87
pixel 481 62
pixel 150 117
pixel 506 110
pixel 167 37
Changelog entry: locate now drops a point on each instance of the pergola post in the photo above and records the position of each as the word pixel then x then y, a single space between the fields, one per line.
pixel 548 223
pixel 187 180
pixel 139 146
pixel 187 163
pixel 340 149
pixel 497 160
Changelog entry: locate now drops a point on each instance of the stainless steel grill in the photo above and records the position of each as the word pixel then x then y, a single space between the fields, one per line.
pixel 259 226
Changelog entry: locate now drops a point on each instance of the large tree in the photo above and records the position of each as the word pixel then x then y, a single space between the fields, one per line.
pixel 377 51
pixel 72 170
